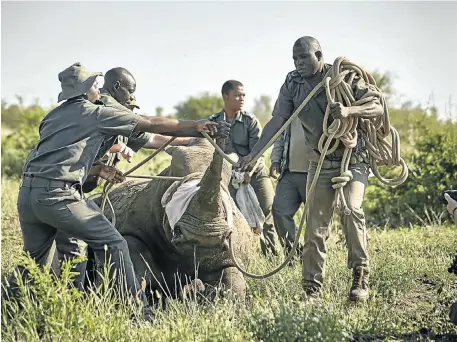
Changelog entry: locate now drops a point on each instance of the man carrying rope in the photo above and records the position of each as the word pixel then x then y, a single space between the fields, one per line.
pixel 310 71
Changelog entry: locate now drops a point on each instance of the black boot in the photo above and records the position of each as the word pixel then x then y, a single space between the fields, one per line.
pixel 359 289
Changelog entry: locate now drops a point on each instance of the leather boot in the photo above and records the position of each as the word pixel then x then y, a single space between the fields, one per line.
pixel 359 289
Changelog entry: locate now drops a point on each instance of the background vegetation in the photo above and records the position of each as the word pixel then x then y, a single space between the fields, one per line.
pixel 412 242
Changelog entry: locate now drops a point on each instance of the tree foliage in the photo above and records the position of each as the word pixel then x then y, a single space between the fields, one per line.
pixel 428 146
pixel 262 109
pixel 23 123
pixel 201 107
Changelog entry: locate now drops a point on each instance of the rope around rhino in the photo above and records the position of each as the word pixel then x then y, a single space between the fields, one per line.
pixel 374 131
pixel 108 185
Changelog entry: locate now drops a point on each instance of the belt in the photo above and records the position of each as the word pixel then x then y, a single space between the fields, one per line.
pixel 334 156
pixel 38 182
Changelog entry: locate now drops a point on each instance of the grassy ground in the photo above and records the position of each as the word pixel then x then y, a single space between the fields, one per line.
pixel 411 292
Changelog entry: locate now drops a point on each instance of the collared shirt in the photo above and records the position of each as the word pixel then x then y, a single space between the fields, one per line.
pixel 71 136
pixel 293 92
pixel 135 142
pixel 245 132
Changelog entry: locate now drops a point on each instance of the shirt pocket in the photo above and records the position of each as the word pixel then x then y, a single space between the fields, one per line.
pixel 240 137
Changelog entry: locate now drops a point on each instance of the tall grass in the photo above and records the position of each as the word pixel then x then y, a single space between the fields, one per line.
pixel 411 292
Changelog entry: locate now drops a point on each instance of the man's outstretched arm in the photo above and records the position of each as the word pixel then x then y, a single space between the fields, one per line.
pixel 181 128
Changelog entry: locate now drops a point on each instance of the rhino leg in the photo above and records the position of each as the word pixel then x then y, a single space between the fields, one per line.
pixel 233 283
pixel 228 282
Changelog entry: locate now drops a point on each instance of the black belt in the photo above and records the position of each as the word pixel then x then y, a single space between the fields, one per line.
pixel 334 156
pixel 39 182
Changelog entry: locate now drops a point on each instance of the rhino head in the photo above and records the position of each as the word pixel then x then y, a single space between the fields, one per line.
pixel 203 228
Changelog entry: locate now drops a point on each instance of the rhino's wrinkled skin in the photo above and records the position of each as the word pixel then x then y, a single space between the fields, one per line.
pixel 198 246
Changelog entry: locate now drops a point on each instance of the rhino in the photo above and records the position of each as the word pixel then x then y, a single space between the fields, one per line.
pixel 195 252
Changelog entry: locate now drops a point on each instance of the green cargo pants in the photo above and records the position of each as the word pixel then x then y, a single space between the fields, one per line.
pixel 263 188
pixel 290 194
pixel 321 205
pixel 47 207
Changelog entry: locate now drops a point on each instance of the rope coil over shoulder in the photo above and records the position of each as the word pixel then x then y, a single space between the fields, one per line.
pixel 376 133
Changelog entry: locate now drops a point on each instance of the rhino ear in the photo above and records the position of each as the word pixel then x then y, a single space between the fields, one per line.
pixel 173 149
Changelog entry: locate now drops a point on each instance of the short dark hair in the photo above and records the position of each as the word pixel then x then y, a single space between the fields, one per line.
pixel 310 42
pixel 230 85
pixel 117 74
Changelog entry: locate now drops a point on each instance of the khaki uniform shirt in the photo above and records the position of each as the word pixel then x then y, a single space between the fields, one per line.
pixel 290 150
pixel 71 137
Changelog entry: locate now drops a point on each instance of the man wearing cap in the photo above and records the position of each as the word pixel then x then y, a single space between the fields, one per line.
pixel 71 135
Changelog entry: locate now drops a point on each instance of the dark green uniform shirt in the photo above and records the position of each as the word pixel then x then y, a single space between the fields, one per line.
pixel 294 91
pixel 245 132
pixel 71 137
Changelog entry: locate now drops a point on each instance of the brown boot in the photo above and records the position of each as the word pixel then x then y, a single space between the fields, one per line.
pixel 359 289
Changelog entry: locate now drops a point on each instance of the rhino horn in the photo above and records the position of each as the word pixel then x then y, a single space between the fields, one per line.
pixel 207 202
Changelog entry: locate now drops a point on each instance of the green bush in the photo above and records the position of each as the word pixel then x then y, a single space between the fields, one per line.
pixel 432 163
pixel 23 123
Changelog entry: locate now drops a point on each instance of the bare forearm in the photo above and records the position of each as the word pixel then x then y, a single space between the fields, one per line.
pixel 368 110
pixel 278 149
pixel 165 126
pixel 158 140
pixel 181 141
pixel 268 132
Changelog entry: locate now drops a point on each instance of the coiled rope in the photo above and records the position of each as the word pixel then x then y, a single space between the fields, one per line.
pixel 375 131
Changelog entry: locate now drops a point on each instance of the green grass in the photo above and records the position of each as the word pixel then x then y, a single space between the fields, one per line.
pixel 410 290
